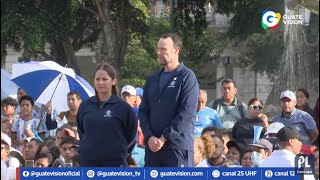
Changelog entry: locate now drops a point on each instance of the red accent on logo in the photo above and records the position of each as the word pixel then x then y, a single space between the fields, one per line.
pixel 17 173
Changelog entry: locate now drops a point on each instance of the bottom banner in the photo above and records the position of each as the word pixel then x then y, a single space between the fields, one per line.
pixel 158 173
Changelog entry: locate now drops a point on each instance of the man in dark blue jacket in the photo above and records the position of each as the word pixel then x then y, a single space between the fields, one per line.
pixel 168 109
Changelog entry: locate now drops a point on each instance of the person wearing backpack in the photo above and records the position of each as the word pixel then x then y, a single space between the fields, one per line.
pixel 228 107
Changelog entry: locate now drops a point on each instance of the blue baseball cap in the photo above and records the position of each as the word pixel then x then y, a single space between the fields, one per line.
pixel 139 91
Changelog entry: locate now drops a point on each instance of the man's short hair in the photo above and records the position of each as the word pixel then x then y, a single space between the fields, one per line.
pixel 78 95
pixel 27 97
pixel 44 155
pixel 37 141
pixel 227 81
pixel 177 42
pixel 69 140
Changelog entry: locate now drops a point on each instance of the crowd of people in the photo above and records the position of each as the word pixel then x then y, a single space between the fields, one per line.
pixel 165 124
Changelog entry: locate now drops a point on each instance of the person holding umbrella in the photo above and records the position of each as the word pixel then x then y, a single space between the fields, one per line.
pixel 107 125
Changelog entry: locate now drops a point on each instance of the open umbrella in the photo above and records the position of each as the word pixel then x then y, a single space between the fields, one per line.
pixel 8 88
pixel 48 80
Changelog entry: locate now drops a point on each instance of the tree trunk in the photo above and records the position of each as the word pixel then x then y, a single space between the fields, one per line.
pixel 114 34
pixel 71 59
pixel 64 53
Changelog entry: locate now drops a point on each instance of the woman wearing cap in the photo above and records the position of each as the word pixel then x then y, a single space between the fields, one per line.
pixel 107 125
pixel 243 130
pixel 302 101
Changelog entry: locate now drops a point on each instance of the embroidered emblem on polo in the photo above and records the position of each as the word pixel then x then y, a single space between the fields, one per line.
pixel 108 114
pixel 173 82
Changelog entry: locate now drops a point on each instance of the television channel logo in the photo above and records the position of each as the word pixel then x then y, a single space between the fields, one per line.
pixel 270 19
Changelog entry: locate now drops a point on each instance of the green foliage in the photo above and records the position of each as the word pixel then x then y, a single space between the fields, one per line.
pixel 263 52
pixel 197 50
pixel 263 49
pixel 29 25
pixel 201 49
pixel 246 15
pixel 190 17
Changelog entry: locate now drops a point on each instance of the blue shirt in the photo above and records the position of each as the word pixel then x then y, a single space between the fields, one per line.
pixel 138 155
pixel 299 120
pixel 206 117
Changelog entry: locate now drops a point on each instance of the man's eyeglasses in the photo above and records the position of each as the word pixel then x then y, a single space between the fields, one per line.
pixel 256 107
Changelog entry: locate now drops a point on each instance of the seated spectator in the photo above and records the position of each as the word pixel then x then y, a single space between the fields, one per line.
pixel 5 151
pixel 295 118
pixel 51 148
pixel 43 160
pixel 216 158
pixel 243 130
pixel 211 130
pixel 261 150
pixel 234 152
pixel 17 154
pixel 8 106
pixel 205 116
pixel 65 131
pixel 65 149
pixel 226 136
pixel 203 146
pixel 302 96
pixel 30 148
pixel 246 159
pixel 271 134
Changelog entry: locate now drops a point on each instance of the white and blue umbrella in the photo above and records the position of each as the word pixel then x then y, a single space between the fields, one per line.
pixel 8 88
pixel 47 80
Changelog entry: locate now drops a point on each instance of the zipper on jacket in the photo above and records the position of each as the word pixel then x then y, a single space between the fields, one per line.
pixel 102 105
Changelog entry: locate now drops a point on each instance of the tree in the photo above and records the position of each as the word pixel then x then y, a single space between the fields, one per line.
pixel 267 51
pixel 31 25
pixel 197 50
pixel 68 26
pixel 105 25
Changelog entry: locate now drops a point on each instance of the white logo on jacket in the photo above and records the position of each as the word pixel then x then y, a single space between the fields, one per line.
pixel 108 114
pixel 173 82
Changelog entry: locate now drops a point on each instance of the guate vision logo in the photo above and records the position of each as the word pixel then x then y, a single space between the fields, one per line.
pixel 270 19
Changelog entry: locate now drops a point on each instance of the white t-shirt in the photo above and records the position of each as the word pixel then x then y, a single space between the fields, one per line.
pixel 205 163
pixel 279 158
pixel 13 162
pixel 282 158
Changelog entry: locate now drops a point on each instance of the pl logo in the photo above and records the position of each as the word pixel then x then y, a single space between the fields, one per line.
pixel 270 19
